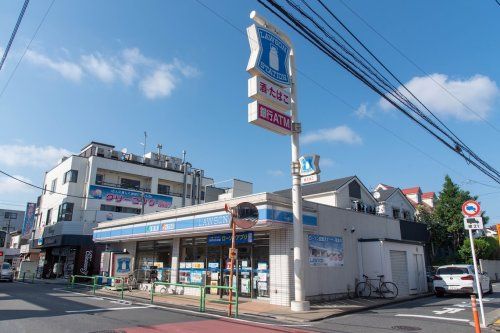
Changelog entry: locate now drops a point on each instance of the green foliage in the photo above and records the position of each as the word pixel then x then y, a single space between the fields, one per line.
pixel 485 248
pixel 448 214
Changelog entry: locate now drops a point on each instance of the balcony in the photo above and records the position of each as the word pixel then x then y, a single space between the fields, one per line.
pixel 133 188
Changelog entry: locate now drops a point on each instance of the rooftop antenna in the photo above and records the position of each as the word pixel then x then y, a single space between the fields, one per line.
pixel 159 146
pixel 183 156
pixel 144 143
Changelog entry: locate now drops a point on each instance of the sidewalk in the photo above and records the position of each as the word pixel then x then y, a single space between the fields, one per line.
pixel 262 308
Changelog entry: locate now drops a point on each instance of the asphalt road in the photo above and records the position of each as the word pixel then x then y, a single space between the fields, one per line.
pixel 429 314
pixel 49 308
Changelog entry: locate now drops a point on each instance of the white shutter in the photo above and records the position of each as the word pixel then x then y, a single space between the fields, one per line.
pixel 399 269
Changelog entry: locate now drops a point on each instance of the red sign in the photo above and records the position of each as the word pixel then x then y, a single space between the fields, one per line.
pixel 471 208
pixel 1 254
pixel 264 116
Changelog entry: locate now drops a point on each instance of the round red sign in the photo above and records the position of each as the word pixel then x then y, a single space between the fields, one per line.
pixel 471 208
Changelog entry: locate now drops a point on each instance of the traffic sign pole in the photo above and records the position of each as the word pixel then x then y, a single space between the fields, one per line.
pixel 231 267
pixel 476 274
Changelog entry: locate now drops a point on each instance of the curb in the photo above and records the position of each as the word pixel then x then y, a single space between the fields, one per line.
pixel 345 312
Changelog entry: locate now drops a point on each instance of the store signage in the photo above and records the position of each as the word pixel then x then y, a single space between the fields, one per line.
pixel 309 165
pixel 116 195
pixel 473 223
pixel 225 239
pixel 29 218
pixel 268 118
pixel 326 251
pixel 86 263
pixel 269 55
pixel 309 179
pixel 263 90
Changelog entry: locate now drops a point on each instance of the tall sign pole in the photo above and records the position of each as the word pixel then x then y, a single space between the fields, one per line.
pixel 273 58
pixel 472 221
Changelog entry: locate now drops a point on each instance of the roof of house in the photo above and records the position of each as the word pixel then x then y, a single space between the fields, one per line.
pixel 386 186
pixel 428 195
pixel 328 186
pixel 411 190
pixel 384 194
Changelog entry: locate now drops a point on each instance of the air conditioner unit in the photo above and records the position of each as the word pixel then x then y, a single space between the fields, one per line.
pixel 115 155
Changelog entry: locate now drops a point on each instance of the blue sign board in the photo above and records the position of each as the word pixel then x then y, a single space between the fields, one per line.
pixel 309 165
pixel 270 55
pixel 225 239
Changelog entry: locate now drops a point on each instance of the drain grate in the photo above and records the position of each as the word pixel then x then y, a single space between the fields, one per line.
pixel 406 328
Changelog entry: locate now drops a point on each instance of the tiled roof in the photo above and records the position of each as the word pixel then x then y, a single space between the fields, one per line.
pixel 428 195
pixel 411 190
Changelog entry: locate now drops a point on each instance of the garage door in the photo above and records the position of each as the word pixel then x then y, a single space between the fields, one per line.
pixel 399 269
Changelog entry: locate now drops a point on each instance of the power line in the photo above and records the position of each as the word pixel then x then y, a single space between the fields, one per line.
pixel 417 66
pixel 228 22
pixel 450 140
pixel 14 32
pixel 26 50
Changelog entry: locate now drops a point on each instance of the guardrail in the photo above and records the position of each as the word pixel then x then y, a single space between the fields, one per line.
pixel 236 299
pixel 169 284
pixel 94 280
pixel 29 276
pixel 71 281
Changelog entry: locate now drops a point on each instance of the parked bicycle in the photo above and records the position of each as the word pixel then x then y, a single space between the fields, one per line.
pixel 385 289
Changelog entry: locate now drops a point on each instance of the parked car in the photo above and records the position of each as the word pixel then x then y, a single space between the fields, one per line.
pixel 459 279
pixel 6 273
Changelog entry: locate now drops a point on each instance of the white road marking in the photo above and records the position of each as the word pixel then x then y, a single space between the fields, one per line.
pixel 108 309
pixel 447 310
pixel 433 317
pixel 145 305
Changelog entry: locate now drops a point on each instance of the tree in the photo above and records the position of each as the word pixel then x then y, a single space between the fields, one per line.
pixel 448 212
pixel 438 234
pixel 485 248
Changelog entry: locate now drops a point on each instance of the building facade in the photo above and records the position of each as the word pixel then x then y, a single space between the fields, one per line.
pixel 103 184
pixel 11 220
pixel 191 244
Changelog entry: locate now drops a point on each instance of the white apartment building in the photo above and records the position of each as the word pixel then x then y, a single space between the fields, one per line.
pixel 104 184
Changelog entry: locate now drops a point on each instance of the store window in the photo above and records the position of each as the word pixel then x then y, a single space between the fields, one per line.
pixel 154 256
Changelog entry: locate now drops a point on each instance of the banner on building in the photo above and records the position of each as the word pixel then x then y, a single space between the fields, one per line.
pixel 117 196
pixel 326 251
pixel 29 219
pixel 225 239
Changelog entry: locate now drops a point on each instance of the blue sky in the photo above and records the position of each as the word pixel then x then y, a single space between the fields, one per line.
pixel 108 71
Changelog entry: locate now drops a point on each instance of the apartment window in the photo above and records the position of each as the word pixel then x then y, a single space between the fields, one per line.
pixel 395 213
pixel 48 217
pixel 406 215
pixel 202 195
pixel 71 176
pixel 130 183
pixel 163 189
pixel 10 215
pixel 120 209
pixel 53 186
pixel 65 212
pixel 99 179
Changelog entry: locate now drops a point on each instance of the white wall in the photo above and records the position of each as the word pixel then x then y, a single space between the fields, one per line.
pixel 492 267
pixel 339 222
pixel 399 201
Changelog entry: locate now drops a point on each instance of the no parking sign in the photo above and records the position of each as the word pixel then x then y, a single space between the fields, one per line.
pixel 471 208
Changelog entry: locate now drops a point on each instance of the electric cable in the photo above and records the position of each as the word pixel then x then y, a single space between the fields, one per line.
pixel 14 32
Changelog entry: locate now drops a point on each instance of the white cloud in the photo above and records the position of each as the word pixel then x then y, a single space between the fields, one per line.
pixel 30 155
pixel 362 111
pixel 67 69
pixel 99 67
pixel 11 186
pixel 343 134
pixel 275 173
pixel 477 92
pixel 159 84
pixel 155 79
pixel 326 162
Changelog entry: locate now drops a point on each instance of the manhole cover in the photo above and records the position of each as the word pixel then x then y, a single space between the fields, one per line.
pixel 406 328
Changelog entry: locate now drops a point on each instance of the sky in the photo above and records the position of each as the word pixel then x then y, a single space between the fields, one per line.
pixel 109 70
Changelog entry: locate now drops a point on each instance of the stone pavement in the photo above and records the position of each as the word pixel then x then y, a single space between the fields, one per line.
pixel 261 308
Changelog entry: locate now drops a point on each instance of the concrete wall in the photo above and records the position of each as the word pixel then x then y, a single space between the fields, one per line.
pixel 337 281
pixel 492 267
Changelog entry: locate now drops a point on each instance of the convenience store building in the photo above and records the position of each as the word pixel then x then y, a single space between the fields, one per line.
pixel 191 244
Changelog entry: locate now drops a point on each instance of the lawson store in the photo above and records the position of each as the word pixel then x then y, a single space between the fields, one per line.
pixel 191 245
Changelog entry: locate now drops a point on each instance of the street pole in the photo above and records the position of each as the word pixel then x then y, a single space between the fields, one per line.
pixel 476 274
pixel 231 267
pixel 299 304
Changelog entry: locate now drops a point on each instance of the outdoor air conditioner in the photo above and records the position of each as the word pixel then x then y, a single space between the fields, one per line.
pixel 115 155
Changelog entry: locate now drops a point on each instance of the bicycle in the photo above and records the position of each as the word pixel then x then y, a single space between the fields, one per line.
pixel 386 289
